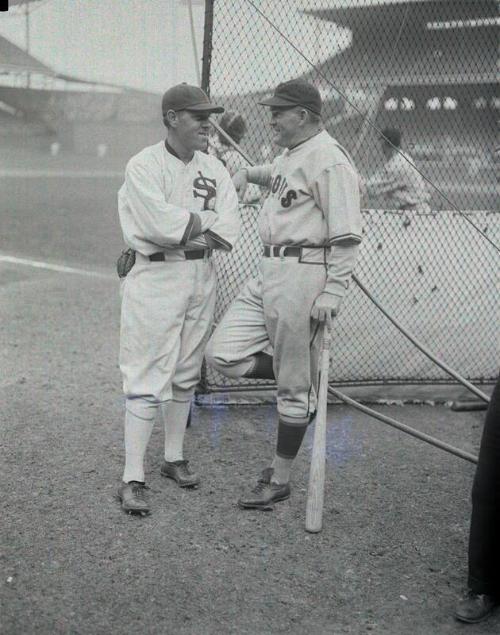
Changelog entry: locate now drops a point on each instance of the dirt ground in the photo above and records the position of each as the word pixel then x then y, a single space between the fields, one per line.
pixel 391 558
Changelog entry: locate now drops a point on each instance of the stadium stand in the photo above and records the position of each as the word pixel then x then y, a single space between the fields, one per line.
pixel 40 107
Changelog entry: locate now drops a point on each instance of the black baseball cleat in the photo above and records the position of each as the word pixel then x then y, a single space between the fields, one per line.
pixel 179 471
pixel 265 493
pixel 133 499
pixel 474 608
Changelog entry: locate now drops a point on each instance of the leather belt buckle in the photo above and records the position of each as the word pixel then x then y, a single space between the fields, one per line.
pixel 197 254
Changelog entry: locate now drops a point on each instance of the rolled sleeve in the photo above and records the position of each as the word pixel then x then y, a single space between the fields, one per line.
pixel 260 174
pixel 225 230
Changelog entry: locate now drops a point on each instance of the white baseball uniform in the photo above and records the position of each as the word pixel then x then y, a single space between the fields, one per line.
pixel 167 305
pixel 314 204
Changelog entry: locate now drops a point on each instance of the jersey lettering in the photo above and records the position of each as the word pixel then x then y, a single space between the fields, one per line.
pixel 290 196
pixel 205 188
pixel 278 188
pixel 283 188
pixel 276 184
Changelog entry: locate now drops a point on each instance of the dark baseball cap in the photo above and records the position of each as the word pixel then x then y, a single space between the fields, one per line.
pixel 186 97
pixel 295 92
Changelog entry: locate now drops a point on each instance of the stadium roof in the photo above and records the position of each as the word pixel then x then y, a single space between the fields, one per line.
pixel 372 16
pixel 423 42
pixel 13 58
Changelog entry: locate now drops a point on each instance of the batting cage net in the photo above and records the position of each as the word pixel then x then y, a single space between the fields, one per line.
pixel 428 69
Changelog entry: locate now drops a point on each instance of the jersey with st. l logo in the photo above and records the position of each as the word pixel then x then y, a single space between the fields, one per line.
pixel 313 196
pixel 163 200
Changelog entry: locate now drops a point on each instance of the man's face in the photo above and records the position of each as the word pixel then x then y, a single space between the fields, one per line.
pixel 192 129
pixel 285 125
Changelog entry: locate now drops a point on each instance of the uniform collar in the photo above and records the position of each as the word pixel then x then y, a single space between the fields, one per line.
pixel 301 143
pixel 171 150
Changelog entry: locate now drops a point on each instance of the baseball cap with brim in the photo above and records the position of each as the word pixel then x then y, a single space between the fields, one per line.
pixel 295 93
pixel 186 97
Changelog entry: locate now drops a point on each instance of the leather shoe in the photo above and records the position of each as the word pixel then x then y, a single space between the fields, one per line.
pixel 265 493
pixel 474 607
pixel 132 498
pixel 180 473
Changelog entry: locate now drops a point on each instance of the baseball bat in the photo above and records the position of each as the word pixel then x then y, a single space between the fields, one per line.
pixel 315 494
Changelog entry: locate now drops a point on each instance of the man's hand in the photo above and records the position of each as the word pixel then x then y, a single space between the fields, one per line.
pixel 325 307
pixel 240 181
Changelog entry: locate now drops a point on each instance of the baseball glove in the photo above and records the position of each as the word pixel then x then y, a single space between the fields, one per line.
pixel 125 262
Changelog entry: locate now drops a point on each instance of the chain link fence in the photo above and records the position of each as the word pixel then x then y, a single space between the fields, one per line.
pixel 427 68
pixel 429 271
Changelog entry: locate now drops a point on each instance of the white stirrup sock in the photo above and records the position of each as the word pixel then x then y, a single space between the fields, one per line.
pixel 282 468
pixel 137 435
pixel 174 415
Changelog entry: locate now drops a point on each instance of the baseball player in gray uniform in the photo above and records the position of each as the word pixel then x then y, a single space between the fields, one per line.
pixel 310 225
pixel 176 205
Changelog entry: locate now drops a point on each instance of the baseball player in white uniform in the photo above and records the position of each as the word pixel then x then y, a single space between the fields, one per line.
pixel 310 225
pixel 176 205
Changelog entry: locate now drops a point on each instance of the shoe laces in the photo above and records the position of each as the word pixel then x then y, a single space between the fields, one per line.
pixel 260 487
pixel 183 467
pixel 139 490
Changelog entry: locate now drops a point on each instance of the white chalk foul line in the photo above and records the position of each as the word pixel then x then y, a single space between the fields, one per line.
pixel 63 173
pixel 38 264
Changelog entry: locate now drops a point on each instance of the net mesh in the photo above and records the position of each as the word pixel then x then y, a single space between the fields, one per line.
pixel 427 69
pixel 414 266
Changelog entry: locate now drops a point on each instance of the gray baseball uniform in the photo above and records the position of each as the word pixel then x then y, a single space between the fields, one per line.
pixel 312 212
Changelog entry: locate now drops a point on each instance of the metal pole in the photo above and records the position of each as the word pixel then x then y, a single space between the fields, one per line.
pixel 404 428
pixel 193 40
pixel 27 30
pixel 207 45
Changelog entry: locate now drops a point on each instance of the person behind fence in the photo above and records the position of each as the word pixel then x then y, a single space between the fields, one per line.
pixel 484 537
pixel 311 227
pixel 234 124
pixel 398 184
pixel 176 205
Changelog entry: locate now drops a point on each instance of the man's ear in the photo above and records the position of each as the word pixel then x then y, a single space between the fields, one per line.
pixel 170 119
pixel 304 117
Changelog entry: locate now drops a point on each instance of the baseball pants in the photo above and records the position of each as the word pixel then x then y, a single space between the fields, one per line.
pixel 273 312
pixel 166 318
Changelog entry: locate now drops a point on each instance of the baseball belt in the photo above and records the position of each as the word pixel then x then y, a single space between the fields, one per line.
pixel 280 251
pixel 195 254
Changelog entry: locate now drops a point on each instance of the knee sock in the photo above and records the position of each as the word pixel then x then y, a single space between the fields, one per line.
pixel 175 415
pixel 137 435
pixel 290 438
